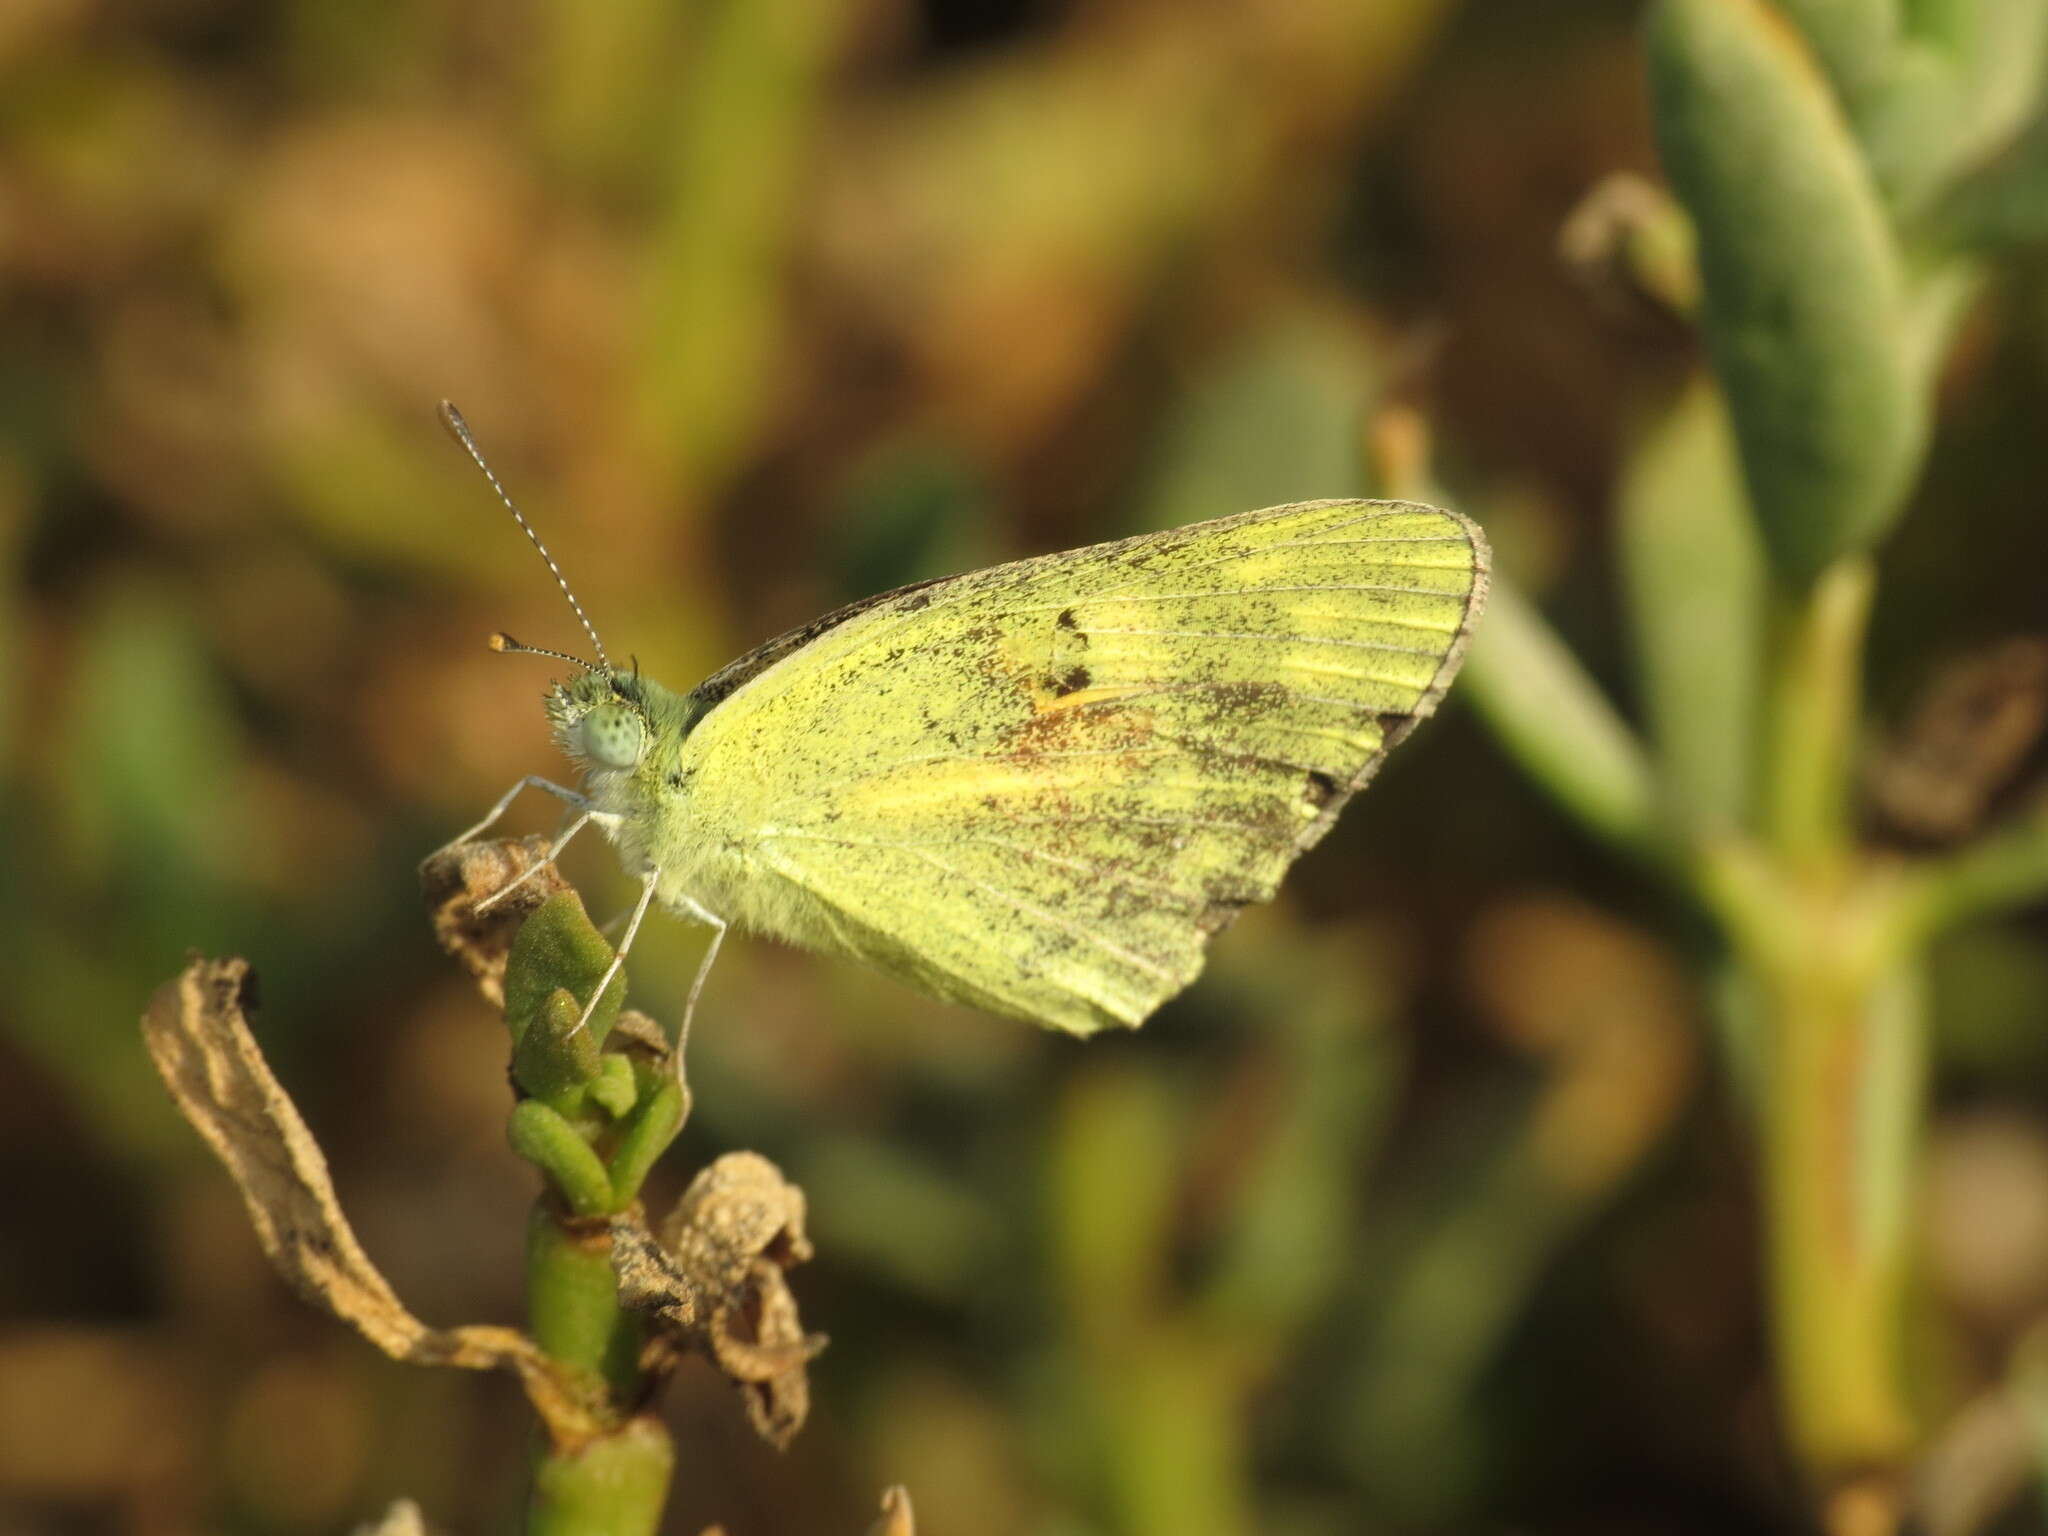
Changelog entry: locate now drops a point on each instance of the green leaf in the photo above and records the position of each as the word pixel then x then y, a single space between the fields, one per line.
pixel 2004 202
pixel 553 1059
pixel 1804 302
pixel 1967 80
pixel 1696 586
pixel 1930 85
pixel 1554 721
pixel 646 1137
pixel 615 1089
pixel 1854 40
pixel 2004 870
pixel 555 965
pixel 557 1148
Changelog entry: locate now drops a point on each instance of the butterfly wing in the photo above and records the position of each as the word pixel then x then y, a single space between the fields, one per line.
pixel 1039 788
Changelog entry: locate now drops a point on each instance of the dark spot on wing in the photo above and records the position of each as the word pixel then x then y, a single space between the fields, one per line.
pixel 1066 619
pixel 1393 727
pixel 1321 789
pixel 1075 680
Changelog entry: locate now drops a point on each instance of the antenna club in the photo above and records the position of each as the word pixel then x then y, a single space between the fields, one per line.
pixel 505 645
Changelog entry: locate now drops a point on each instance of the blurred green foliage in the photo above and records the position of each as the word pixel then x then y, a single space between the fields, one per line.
pixel 1419 1212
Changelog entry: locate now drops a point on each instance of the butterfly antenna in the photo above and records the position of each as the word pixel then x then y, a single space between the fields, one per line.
pixel 451 418
pixel 504 644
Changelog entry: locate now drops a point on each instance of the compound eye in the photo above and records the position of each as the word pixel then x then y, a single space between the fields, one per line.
pixel 613 736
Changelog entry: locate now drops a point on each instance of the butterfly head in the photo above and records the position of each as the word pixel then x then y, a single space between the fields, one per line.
pixel 620 722
pixel 600 720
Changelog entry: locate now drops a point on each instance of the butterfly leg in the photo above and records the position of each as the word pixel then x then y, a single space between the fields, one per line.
pixel 531 781
pixel 717 925
pixel 610 926
pixel 619 959
pixel 578 802
pixel 581 820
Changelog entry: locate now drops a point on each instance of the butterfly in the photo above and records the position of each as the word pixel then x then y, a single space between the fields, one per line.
pixel 1038 789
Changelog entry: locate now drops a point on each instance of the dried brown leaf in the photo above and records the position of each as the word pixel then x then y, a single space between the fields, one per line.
pixel 897 1517
pixel 637 1029
pixel 403 1518
pixel 1631 248
pixel 717 1282
pixel 1968 737
pixel 197 1030
pixel 455 879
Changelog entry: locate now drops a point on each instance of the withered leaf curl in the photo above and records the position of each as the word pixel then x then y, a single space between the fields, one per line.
pixel 716 1282
pixel 456 878
pixel 897 1519
pixel 403 1518
pixel 197 1031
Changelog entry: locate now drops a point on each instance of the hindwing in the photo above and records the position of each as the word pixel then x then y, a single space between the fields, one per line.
pixel 1039 788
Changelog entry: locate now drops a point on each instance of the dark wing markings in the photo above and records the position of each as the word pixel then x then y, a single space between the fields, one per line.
pixel 1108 873
pixel 736 674
pixel 1171 745
pixel 1271 637
pixel 1189 597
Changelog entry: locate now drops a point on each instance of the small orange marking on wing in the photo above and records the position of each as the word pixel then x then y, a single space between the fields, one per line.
pixel 1046 704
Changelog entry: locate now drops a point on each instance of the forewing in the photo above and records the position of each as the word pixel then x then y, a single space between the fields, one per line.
pixel 1040 788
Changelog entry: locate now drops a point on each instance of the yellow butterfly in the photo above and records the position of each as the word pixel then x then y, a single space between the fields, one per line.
pixel 1039 788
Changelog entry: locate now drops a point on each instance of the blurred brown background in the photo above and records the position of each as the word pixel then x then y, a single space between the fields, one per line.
pixel 1425 1210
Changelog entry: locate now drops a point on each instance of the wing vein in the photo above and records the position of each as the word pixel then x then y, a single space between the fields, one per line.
pixel 1326 586
pixel 1271 638
pixel 1106 872
pixel 795 872
pixel 1427 538
pixel 1146 693
pixel 1045 915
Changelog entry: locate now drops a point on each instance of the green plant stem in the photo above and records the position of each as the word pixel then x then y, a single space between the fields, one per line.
pixel 1815 704
pixel 1831 969
pixel 2002 871
pixel 613 1486
pixel 609 1472
pixel 572 1297
pixel 616 1482
pixel 1840 1133
pixel 1554 721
